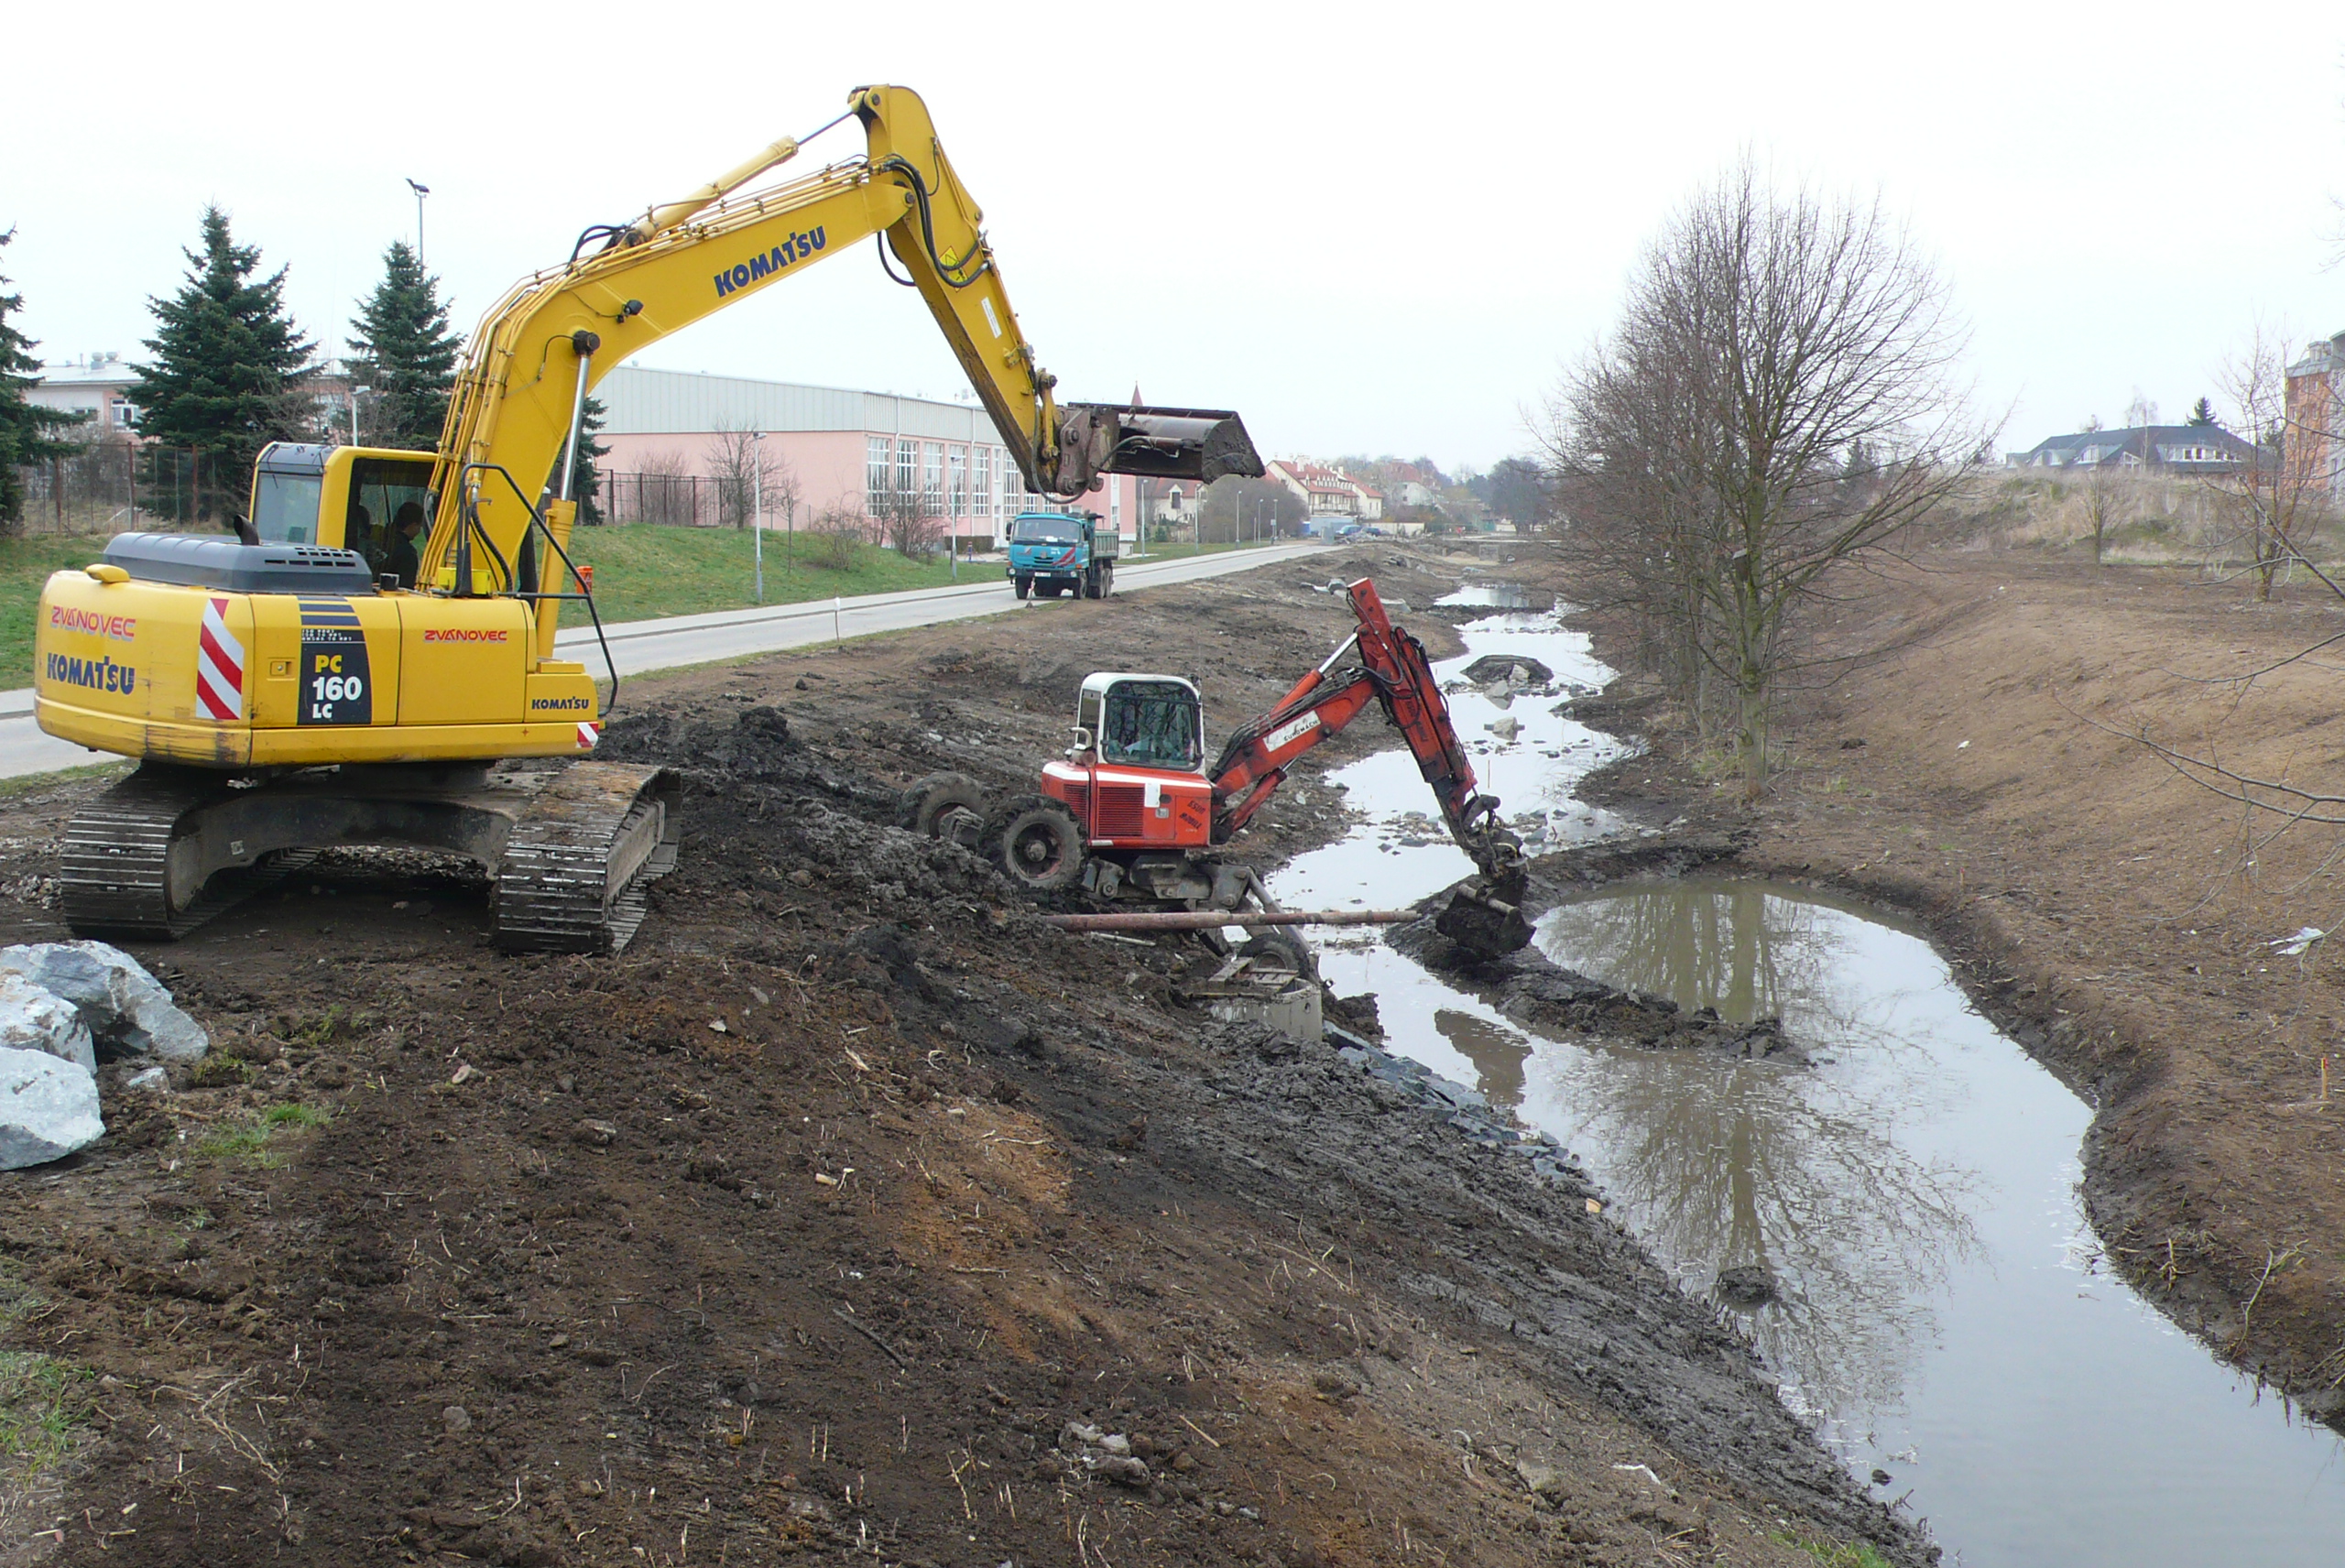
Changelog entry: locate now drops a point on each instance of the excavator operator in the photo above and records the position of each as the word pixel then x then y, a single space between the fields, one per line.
pixel 401 558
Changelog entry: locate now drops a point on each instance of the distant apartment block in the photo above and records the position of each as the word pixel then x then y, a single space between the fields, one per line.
pixel 97 385
pixel 2313 439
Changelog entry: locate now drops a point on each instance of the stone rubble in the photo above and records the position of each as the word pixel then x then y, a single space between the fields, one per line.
pixel 127 1009
pixel 35 1018
pixel 48 1108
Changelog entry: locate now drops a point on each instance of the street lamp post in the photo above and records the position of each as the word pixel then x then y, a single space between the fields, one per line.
pixel 420 193
pixel 356 392
pixel 758 509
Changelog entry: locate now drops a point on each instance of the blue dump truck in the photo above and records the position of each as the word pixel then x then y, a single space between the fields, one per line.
pixel 1053 553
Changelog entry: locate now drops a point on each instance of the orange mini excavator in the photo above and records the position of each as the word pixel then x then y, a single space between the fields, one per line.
pixel 1133 813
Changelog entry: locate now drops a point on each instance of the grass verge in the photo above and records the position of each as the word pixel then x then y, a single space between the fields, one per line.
pixel 647 569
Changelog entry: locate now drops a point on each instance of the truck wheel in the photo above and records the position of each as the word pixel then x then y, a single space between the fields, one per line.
pixel 1087 585
pixel 1106 578
pixel 944 805
pixel 1023 585
pixel 1037 844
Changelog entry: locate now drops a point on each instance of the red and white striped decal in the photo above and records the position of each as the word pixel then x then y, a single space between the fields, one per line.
pixel 588 734
pixel 219 666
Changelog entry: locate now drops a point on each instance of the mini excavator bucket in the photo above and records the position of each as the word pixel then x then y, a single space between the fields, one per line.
pixel 1199 444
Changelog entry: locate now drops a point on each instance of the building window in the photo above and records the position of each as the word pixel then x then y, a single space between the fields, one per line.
pixel 931 483
pixel 907 466
pixel 875 469
pixel 981 483
pixel 958 470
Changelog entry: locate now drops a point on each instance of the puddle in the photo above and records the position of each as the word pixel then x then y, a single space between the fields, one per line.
pixel 1942 1311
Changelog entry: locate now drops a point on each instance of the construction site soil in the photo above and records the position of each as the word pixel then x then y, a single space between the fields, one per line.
pixel 1982 766
pixel 852 1214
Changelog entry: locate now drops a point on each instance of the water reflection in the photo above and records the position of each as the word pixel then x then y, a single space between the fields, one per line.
pixel 1497 1053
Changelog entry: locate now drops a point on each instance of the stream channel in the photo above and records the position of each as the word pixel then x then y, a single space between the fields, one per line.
pixel 1941 1310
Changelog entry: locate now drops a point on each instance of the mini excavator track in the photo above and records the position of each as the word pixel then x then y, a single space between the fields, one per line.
pixel 573 852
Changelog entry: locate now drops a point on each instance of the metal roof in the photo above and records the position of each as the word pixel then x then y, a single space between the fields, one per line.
pixel 682 402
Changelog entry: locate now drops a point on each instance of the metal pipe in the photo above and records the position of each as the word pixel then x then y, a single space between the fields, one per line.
pixel 577 416
pixel 1214 919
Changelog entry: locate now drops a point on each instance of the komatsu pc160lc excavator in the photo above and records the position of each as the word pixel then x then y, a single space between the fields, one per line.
pixel 282 696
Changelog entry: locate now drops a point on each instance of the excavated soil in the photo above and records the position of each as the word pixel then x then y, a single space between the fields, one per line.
pixel 816 1224
pixel 1985 774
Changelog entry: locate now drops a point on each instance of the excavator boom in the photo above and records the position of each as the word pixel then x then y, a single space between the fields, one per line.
pixel 545 345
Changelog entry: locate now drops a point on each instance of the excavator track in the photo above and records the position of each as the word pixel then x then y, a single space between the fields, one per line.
pixel 117 873
pixel 579 863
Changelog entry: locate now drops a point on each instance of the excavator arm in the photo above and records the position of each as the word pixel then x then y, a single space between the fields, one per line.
pixel 543 347
pixel 1394 672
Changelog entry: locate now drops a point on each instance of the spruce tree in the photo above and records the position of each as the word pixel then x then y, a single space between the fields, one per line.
pixel 585 484
pixel 28 431
pixel 226 360
pixel 402 347
pixel 2202 413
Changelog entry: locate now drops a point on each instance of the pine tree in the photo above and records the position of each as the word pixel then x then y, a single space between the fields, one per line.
pixel 2202 413
pixel 585 484
pixel 28 431
pixel 403 348
pixel 226 360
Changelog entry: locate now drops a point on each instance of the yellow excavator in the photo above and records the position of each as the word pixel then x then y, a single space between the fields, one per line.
pixel 283 696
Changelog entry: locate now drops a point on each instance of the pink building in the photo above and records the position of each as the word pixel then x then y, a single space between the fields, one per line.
pixel 841 446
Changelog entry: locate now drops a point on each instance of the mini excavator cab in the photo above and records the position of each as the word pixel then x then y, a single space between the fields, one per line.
pixel 1133 776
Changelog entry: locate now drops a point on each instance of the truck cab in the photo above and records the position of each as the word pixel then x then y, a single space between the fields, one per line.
pixel 1051 553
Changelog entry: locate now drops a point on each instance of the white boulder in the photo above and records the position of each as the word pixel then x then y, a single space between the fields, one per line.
pixel 48 1108
pixel 126 1007
pixel 33 1017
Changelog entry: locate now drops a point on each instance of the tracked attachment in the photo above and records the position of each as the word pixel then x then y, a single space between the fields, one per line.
pixel 1201 444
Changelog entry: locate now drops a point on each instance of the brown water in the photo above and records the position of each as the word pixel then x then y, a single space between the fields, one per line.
pixel 1942 1309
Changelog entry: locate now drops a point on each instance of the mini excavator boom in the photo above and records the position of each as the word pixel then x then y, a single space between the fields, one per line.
pixel 284 692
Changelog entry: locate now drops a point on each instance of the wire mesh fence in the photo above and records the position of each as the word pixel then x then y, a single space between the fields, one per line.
pixel 112 487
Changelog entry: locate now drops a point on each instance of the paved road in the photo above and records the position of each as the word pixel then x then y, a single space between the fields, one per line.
pixel 639 647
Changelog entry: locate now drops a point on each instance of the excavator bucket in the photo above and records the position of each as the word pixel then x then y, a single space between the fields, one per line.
pixel 1199 444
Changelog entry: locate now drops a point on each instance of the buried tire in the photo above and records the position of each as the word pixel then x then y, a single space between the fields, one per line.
pixel 929 806
pixel 1037 844
pixel 1280 949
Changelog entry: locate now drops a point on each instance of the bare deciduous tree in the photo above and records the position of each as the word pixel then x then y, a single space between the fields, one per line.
pixel 909 517
pixel 740 461
pixel 2273 505
pixel 1776 403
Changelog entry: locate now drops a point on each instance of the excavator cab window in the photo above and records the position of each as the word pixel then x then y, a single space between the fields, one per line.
pixel 378 487
pixel 1152 724
pixel 285 507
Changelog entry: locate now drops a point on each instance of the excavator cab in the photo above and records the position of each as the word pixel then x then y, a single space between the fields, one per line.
pixel 337 497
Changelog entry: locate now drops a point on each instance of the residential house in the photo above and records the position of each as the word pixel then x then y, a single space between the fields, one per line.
pixel 2167 449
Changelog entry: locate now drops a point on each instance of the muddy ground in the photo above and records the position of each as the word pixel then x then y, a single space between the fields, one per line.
pixel 817 1223
pixel 1984 772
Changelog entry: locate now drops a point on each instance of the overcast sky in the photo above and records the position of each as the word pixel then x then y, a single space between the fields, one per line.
pixel 1369 228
